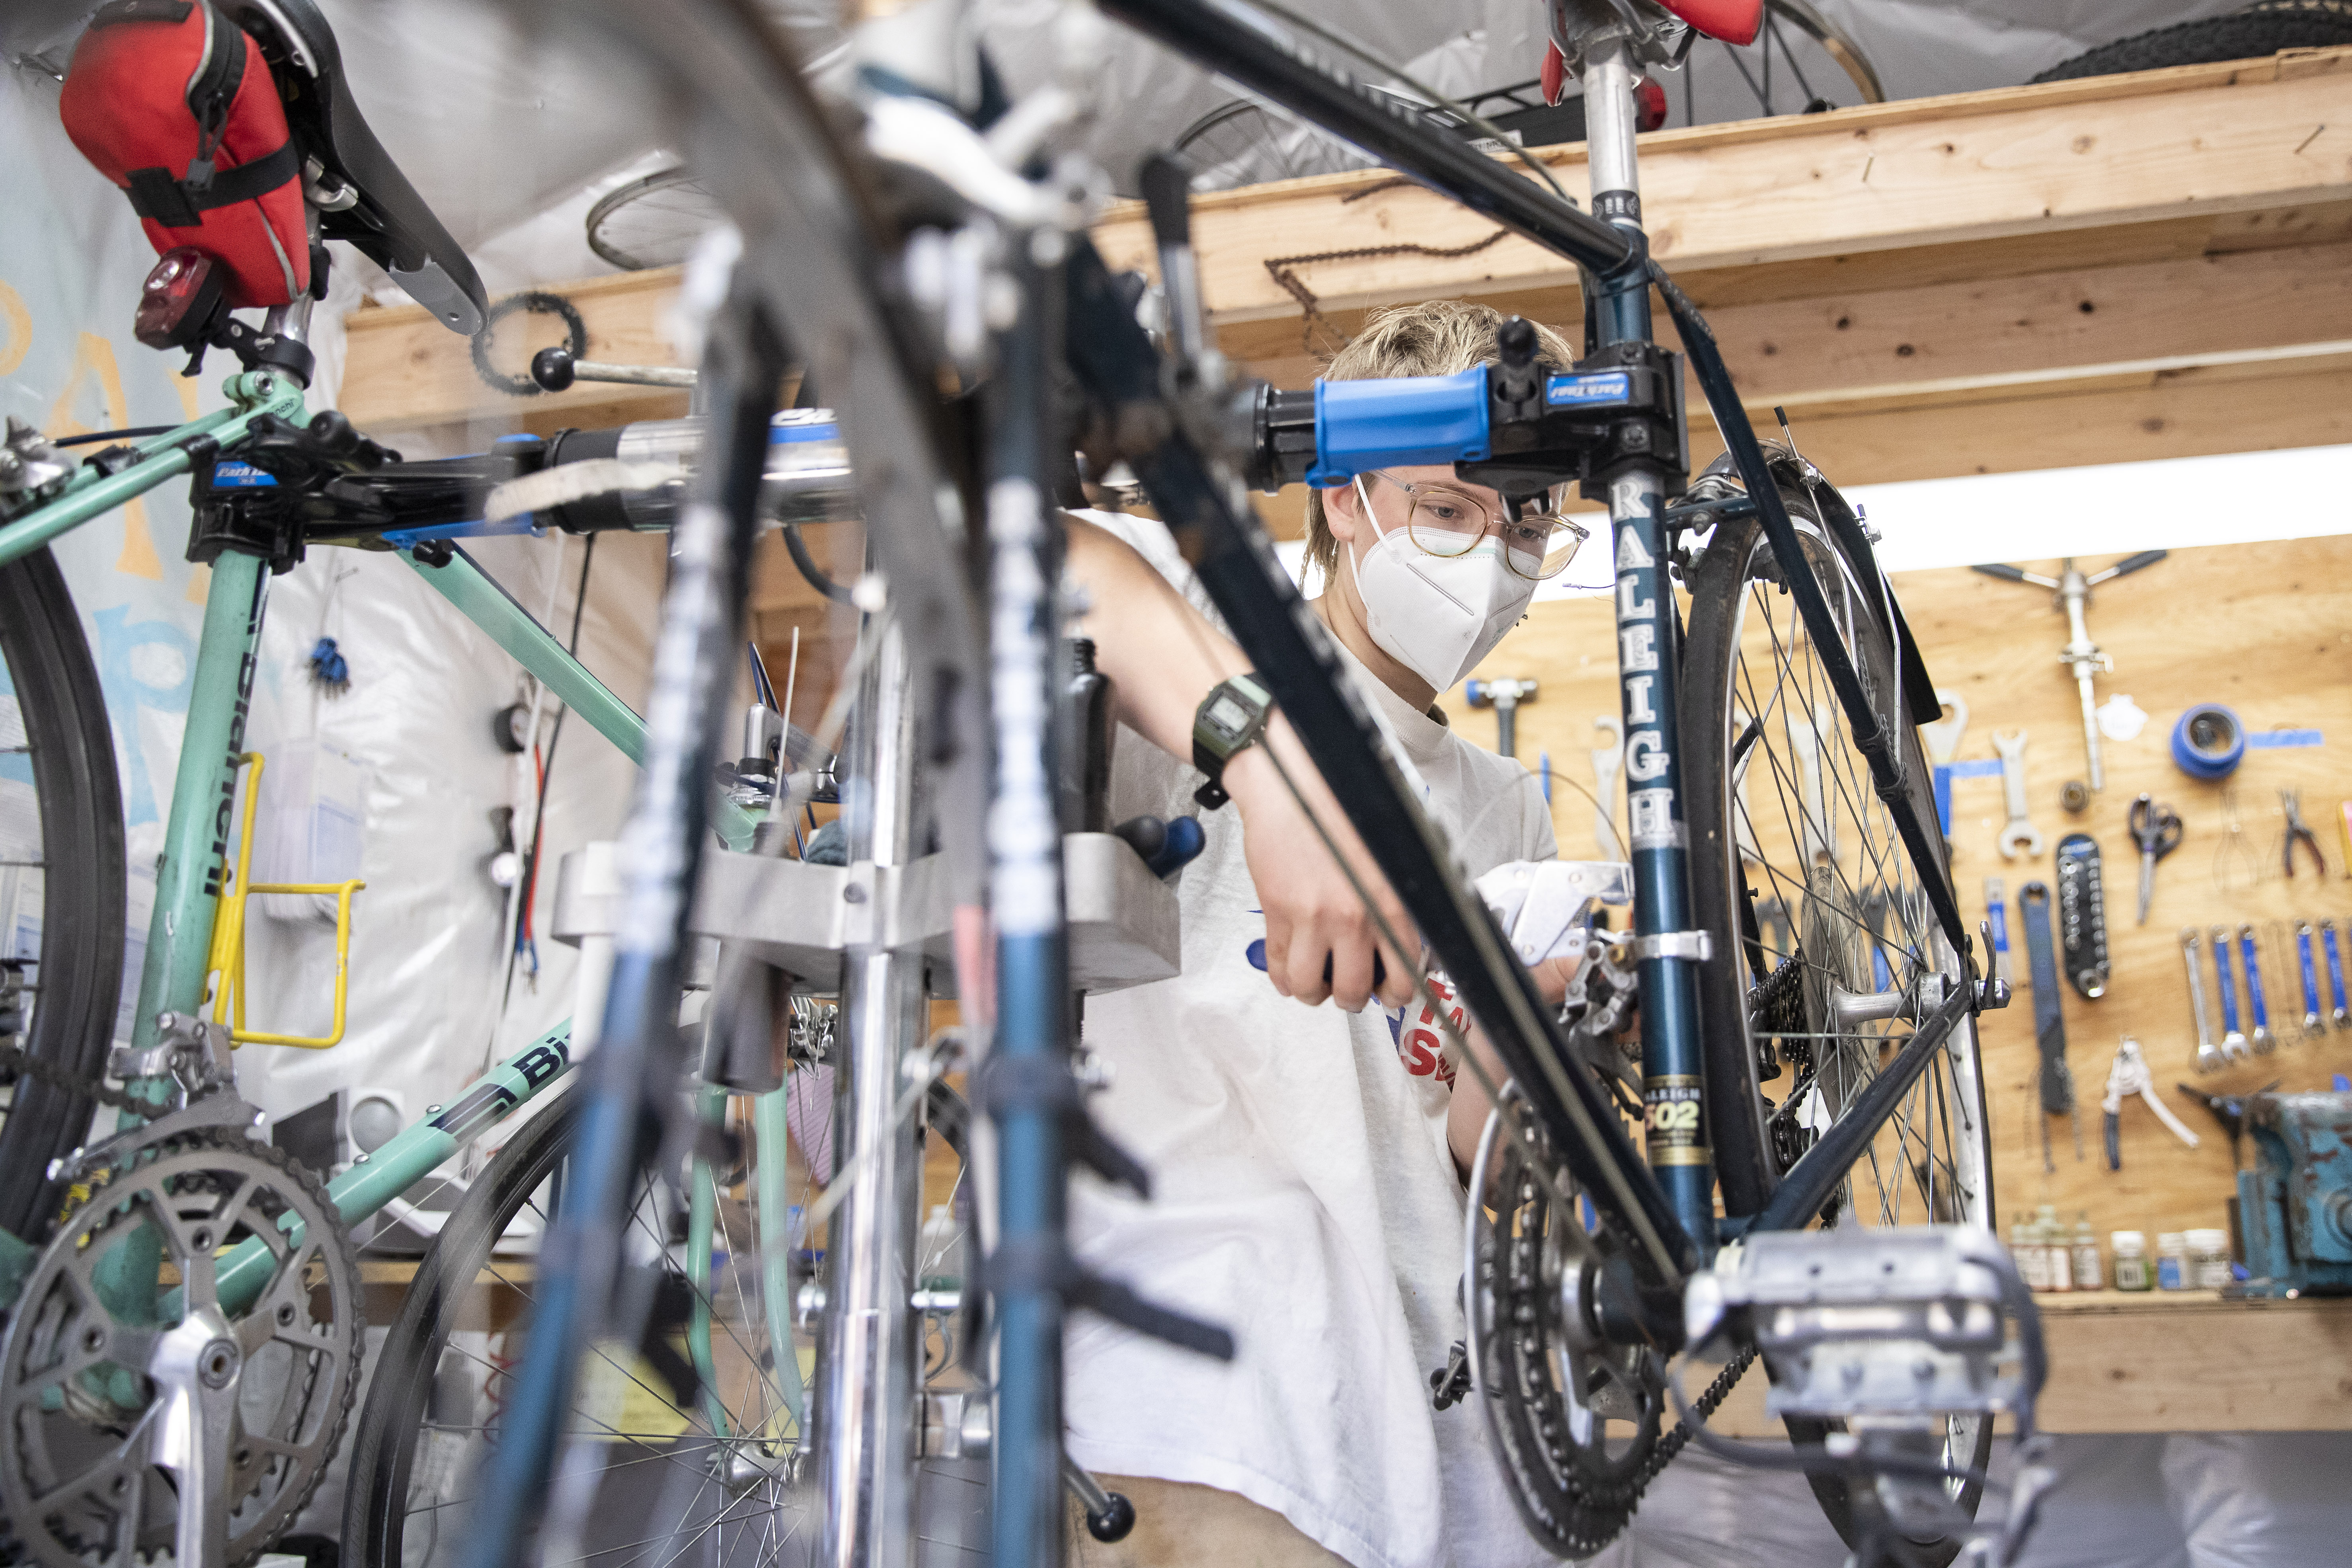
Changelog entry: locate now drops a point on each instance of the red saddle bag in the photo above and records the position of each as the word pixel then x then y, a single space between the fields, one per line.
pixel 174 102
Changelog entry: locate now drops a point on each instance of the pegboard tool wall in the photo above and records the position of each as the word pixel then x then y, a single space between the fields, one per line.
pixel 2265 628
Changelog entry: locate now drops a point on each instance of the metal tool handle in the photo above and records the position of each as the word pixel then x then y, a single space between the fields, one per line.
pixel 2226 983
pixel 2256 1002
pixel 2015 574
pixel 2312 1016
pixel 2012 785
pixel 2049 1014
pixel 2129 563
pixel 2334 973
pixel 2209 1054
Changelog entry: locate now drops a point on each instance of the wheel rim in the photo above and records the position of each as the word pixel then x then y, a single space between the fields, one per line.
pixel 1854 920
pixel 712 1479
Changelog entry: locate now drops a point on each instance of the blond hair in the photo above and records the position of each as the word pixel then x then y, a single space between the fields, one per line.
pixel 1436 337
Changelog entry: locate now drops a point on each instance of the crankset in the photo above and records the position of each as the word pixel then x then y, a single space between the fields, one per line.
pixel 178 1369
pixel 1575 1417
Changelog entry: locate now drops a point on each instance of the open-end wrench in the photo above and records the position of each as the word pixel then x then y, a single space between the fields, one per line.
pixel 2343 1012
pixel 1606 760
pixel 2265 1042
pixel 2020 837
pixel 2209 1054
pixel 2234 1038
pixel 2314 1021
pixel 1943 739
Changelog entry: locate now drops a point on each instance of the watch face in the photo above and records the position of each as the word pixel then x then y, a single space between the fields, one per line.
pixel 1227 715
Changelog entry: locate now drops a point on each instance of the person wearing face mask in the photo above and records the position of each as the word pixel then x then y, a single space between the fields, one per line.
pixel 1308 1162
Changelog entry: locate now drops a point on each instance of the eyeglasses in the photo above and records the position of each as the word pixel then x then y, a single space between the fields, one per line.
pixel 1446 522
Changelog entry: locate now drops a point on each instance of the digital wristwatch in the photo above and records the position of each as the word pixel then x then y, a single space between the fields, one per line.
pixel 1231 717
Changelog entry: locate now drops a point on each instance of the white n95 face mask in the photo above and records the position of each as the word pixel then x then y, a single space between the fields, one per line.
pixel 1436 614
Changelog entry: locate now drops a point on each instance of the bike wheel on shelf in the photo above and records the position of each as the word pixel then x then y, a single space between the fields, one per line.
pixel 1798 873
pixel 61 943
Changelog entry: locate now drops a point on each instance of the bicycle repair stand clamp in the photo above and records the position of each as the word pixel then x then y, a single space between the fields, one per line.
pixel 2057 1080
pixel 2081 655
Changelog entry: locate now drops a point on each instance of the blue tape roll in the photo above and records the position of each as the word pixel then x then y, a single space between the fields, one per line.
pixel 2209 742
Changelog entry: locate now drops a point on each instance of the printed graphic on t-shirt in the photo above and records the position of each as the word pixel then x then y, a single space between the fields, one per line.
pixel 1420 1036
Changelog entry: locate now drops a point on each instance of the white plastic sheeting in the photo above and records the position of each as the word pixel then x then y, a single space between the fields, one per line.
pixel 426 960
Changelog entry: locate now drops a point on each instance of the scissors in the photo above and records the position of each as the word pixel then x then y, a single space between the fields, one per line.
pixel 2157 828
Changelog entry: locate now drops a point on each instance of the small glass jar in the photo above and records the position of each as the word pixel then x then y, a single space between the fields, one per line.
pixel 2131 1269
pixel 2208 1259
pixel 2172 1261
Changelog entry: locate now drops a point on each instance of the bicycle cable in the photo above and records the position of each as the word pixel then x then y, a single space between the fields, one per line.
pixel 1477 121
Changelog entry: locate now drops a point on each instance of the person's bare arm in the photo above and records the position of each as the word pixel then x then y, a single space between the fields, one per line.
pixel 1163 657
pixel 1465 1114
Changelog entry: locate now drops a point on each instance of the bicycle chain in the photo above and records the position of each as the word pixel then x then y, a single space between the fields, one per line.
pixel 1703 1406
pixel 16 1060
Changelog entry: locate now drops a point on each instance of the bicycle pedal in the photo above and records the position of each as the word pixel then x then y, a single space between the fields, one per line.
pixel 1858 1322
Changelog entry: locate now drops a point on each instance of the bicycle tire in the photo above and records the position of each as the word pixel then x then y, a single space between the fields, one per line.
pixel 1735 576
pixel 2252 34
pixel 400 1389
pixel 68 752
pixel 427 1389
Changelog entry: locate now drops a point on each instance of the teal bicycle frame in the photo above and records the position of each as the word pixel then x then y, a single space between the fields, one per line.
pixel 199 842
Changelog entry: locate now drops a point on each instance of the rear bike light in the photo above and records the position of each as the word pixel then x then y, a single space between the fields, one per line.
pixel 178 302
pixel 1649 104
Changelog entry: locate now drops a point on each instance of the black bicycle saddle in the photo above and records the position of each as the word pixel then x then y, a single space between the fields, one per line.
pixel 384 218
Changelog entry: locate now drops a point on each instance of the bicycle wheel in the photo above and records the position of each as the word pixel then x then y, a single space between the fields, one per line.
pixel 685 1475
pixel 60 936
pixel 1798 876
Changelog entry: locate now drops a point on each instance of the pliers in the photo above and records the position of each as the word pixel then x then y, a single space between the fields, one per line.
pixel 2298 832
pixel 2128 1076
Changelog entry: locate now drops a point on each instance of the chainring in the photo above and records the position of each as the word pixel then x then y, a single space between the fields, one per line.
pixel 78 1409
pixel 1576 1423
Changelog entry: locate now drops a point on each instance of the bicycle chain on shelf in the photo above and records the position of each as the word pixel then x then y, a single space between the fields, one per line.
pixel 25 1538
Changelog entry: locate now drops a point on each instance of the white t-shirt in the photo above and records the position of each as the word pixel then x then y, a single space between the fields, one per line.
pixel 1303 1197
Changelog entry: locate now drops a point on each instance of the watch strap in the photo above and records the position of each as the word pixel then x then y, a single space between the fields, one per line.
pixel 1230 719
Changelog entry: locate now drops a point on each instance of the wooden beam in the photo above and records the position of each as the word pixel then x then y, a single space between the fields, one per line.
pixel 2193 143
pixel 1996 324
pixel 405 371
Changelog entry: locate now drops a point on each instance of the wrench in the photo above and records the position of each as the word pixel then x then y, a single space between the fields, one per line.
pixel 2343 1012
pixel 2265 1042
pixel 1943 738
pixel 2209 1054
pixel 1605 763
pixel 2314 1022
pixel 2020 836
pixel 2234 1038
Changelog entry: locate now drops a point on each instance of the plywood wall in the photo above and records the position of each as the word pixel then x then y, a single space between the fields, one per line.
pixel 2266 628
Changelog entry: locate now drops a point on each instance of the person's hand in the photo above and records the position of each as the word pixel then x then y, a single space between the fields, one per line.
pixel 1319 939
pixel 1552 977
